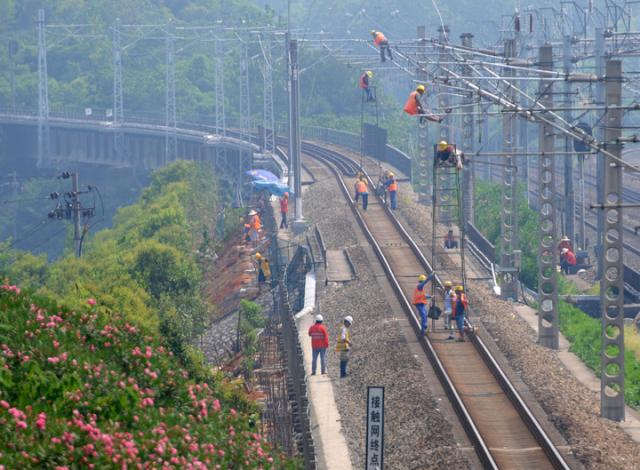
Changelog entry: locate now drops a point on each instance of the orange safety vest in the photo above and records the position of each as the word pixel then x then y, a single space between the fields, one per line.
pixel 393 186
pixel 364 81
pixel 255 222
pixel 411 106
pixel 361 187
pixel 420 296
pixel 379 38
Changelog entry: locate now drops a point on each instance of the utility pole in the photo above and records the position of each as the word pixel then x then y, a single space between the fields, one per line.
pixel 299 224
pixel 468 174
pixel 268 122
pixel 446 213
pixel 13 50
pixel 43 92
pixel 421 171
pixel 170 137
pixel 509 207
pixel 547 254
pixel 600 137
pixel 218 78
pixel 290 179
pixel 569 197
pixel 612 281
pixel 77 236
pixel 118 100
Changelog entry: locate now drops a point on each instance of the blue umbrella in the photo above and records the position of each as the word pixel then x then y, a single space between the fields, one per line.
pixel 262 175
pixel 274 187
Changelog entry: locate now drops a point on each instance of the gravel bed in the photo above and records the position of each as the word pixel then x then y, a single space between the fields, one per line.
pixel 571 407
pixel 417 435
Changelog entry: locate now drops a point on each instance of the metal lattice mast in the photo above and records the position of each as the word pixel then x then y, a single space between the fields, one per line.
pixel 118 100
pixel 221 125
pixel 599 52
pixel 268 120
pixel 468 175
pixel 421 170
pixel 43 91
pixel 171 138
pixel 569 197
pixel 612 282
pixel 444 129
pixel 509 203
pixel 547 254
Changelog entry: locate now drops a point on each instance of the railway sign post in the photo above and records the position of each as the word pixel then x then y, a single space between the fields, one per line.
pixel 375 429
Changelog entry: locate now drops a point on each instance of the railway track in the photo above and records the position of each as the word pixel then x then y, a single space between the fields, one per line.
pixel 502 428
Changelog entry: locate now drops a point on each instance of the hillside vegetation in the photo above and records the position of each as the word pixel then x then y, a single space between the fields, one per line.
pixel 146 266
pixel 83 388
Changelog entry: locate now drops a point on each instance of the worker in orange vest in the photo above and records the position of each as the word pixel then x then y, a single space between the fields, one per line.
pixel 420 299
pixel 319 345
pixel 460 308
pixel 414 107
pixel 365 85
pixel 381 42
pixel 284 209
pixel 363 192
pixel 392 186
pixel 255 224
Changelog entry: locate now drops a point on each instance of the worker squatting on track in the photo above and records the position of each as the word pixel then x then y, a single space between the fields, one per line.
pixel 365 84
pixel 381 42
pixel 567 260
pixel 319 344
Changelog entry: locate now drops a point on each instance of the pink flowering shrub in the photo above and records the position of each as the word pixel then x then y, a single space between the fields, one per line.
pixel 84 389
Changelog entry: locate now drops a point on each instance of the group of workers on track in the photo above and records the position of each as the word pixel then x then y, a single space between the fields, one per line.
pixel 455 305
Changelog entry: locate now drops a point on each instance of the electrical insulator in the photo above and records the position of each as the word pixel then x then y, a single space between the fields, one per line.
pixel 516 24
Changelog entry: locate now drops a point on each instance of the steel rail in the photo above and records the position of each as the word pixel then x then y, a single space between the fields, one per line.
pixel 330 158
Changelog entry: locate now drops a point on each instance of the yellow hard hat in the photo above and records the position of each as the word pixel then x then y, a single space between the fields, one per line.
pixel 447 283
pixel 420 89
pixel 442 145
pixel 422 278
pixel 459 288
pixel 258 256
pixel 391 174
pixel 369 74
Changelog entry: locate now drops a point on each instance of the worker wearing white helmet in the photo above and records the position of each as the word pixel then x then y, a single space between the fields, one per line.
pixel 319 345
pixel 343 346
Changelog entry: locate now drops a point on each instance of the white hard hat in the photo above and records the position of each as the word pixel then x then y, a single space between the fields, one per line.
pixel 319 318
pixel 565 250
pixel 349 319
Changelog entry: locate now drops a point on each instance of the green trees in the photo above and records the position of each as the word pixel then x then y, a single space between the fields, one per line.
pixel 146 265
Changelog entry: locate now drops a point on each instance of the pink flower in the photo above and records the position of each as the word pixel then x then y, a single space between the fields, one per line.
pixel 4 404
pixel 91 301
pixel 21 425
pixel 56 344
pixel 53 360
pixel 41 422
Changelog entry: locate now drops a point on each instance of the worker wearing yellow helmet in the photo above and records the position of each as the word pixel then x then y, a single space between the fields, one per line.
pixel 449 297
pixel 420 299
pixel 413 106
pixel 381 42
pixel 449 155
pixel 391 185
pixel 365 84
pixel 263 268
pixel 460 311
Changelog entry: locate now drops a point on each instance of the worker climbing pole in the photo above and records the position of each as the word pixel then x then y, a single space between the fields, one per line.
pixel 368 108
